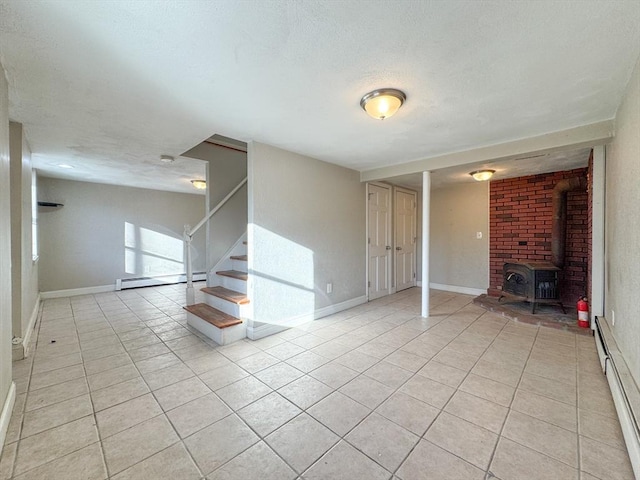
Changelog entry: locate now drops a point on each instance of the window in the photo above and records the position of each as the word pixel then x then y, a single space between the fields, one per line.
pixel 34 218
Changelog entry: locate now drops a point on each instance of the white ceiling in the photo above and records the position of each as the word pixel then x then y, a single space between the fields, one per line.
pixel 518 167
pixel 109 86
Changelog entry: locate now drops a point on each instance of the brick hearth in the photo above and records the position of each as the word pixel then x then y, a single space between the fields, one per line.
pixel 520 217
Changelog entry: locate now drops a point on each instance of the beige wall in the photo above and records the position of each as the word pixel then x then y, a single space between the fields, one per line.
pixel 83 244
pixel 5 256
pixel 456 256
pixel 226 168
pixel 306 229
pixel 622 225
pixel 25 270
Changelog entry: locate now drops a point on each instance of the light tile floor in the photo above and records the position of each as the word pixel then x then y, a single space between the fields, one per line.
pixel 375 392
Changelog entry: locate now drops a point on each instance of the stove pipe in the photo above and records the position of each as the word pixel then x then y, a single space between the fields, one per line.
pixel 559 226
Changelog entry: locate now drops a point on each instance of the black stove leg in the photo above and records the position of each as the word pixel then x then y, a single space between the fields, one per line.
pixel 533 308
pixel 562 307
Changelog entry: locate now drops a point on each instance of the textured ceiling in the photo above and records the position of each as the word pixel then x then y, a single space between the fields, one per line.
pixel 109 86
pixel 519 167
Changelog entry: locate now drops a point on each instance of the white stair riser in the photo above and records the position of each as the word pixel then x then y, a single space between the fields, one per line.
pixel 233 283
pixel 222 336
pixel 226 263
pixel 226 306
pixel 240 265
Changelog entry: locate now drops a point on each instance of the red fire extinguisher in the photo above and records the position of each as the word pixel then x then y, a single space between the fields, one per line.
pixel 583 313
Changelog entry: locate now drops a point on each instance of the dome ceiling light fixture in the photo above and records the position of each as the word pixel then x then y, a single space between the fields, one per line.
pixel 199 184
pixel 482 175
pixel 167 159
pixel 383 102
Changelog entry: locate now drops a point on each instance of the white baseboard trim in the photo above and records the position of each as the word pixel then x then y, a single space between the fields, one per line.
pixel 266 329
pixel 263 330
pixel 21 350
pixel 31 327
pixel 457 289
pixel 72 292
pixel 5 416
pixel 624 390
pixel 339 307
pixel 125 283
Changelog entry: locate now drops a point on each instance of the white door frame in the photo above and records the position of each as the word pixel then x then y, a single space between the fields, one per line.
pixel 414 233
pixel 391 288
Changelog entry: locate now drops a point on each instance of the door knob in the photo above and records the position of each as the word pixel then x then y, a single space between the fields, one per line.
pixel 388 247
pixel 398 248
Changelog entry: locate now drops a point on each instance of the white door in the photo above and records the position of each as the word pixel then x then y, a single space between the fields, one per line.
pixel 379 247
pixel 405 238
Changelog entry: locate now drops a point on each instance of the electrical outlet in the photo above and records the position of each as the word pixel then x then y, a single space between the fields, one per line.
pixel 329 287
pixel 613 318
pixel 478 235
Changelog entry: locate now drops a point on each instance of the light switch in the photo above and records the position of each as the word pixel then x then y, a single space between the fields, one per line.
pixel 478 235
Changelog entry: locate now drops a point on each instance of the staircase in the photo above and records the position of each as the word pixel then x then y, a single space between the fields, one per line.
pixel 222 316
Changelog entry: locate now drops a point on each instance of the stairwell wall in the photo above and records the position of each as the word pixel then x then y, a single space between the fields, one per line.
pixel 25 301
pixel 7 391
pixel 225 169
pixel 306 229
pixel 106 232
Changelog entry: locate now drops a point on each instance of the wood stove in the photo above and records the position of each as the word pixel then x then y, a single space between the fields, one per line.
pixel 532 282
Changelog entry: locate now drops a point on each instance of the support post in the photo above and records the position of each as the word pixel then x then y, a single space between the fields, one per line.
pixel 191 295
pixel 426 205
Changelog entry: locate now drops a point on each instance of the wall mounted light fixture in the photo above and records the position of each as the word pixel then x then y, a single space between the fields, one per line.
pixel 382 103
pixel 482 175
pixel 199 184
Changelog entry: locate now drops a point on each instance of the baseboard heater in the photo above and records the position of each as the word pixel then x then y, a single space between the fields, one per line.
pixel 625 392
pixel 124 283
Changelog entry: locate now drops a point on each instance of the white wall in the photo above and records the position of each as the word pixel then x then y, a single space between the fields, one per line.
pixel 25 270
pixel 5 262
pixel 306 229
pixel 622 225
pixel 226 168
pixel 106 232
pixel 456 256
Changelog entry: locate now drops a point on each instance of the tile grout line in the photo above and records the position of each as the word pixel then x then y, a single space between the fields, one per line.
pixel 303 411
pixel 422 437
pixel 343 437
pixel 500 436
pixel 89 394
pixel 362 374
pixel 163 413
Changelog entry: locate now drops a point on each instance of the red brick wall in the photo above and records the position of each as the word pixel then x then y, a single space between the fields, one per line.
pixel 520 218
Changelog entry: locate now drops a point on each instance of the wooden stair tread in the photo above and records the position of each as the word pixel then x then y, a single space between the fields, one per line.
pixel 239 257
pixel 233 274
pixel 211 315
pixel 226 294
